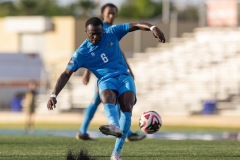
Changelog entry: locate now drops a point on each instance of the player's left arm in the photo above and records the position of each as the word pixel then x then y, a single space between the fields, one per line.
pixel 128 65
pixel 148 27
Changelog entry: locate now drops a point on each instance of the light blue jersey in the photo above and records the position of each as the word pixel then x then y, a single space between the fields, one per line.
pixel 105 59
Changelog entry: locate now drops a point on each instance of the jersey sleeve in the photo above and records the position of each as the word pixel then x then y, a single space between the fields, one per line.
pixel 75 62
pixel 121 30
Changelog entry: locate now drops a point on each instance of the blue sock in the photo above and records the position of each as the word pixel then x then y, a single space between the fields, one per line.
pixel 119 114
pixel 111 114
pixel 89 113
pixel 125 123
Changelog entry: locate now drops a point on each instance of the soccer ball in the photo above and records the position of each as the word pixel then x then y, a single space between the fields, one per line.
pixel 150 122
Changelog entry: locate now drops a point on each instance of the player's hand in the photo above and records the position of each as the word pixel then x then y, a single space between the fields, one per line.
pixel 51 103
pixel 158 34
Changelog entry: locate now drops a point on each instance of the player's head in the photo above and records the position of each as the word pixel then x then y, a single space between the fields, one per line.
pixel 109 12
pixel 94 29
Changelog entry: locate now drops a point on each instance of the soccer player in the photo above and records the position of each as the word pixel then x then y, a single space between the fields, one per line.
pixel 30 105
pixel 108 12
pixel 100 53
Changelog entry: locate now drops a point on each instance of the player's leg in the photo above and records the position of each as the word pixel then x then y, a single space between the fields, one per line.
pixel 131 136
pixel 108 98
pixel 119 115
pixel 89 113
pixel 126 100
pixel 107 90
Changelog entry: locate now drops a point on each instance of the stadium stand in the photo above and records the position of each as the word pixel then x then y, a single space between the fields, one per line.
pixel 178 77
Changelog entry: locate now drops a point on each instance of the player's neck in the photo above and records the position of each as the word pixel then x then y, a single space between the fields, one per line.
pixel 110 24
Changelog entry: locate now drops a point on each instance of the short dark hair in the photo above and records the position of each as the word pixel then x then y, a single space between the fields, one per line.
pixel 108 5
pixel 95 21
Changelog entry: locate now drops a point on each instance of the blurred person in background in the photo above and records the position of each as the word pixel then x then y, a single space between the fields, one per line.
pixel 101 54
pixel 108 13
pixel 30 105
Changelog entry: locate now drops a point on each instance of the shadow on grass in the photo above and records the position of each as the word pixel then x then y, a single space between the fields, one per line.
pixel 81 155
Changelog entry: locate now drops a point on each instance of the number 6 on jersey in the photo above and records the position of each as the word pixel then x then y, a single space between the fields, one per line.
pixel 104 57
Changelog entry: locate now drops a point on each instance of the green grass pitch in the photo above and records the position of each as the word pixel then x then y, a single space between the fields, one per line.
pixel 27 147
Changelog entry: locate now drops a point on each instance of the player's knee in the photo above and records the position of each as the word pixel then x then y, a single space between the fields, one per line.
pixel 127 101
pixel 108 96
pixel 127 106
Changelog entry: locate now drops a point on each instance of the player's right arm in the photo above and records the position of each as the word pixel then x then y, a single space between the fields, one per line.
pixel 73 65
pixel 86 76
pixel 61 82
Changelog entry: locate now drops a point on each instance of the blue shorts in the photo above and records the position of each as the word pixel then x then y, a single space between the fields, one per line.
pixel 120 84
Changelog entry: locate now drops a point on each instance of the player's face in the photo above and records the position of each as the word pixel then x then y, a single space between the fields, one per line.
pixel 94 33
pixel 109 14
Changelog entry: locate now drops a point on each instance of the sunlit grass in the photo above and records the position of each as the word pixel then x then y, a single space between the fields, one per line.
pixel 55 148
